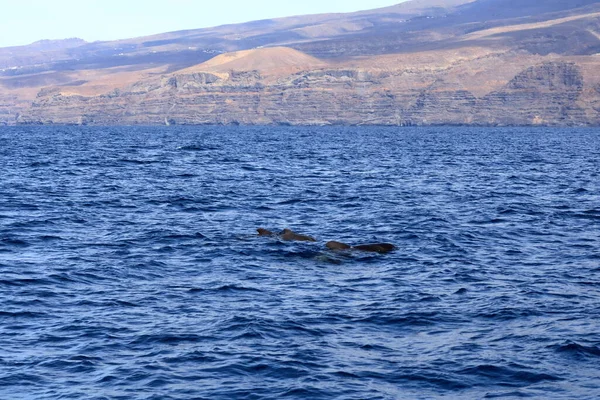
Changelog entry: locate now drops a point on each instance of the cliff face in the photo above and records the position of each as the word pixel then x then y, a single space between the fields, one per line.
pixel 422 62
pixel 11 108
pixel 549 93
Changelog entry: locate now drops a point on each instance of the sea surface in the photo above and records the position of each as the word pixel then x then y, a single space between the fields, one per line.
pixel 130 267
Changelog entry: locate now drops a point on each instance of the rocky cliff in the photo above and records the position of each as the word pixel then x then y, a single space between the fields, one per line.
pixel 550 93
pixel 413 64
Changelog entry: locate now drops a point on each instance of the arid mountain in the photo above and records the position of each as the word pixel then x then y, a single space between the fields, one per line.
pixel 422 62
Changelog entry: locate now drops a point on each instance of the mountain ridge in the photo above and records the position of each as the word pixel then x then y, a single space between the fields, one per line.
pixel 416 63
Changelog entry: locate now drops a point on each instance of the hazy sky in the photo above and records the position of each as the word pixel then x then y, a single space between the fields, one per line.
pixel 26 21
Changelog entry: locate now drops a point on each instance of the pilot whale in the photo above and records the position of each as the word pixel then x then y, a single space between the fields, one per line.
pixel 287 235
pixel 333 245
pixel 371 247
pixel 264 232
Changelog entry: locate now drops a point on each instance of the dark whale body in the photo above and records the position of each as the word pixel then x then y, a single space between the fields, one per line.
pixel 264 232
pixel 376 247
pixel 287 235
pixel 333 245
pixel 372 247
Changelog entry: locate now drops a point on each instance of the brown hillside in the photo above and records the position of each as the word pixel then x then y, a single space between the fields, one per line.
pixel 267 61
pixel 421 62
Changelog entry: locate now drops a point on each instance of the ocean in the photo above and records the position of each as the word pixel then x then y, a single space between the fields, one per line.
pixel 130 267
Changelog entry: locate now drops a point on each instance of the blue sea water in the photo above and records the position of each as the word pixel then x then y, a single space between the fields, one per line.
pixel 130 268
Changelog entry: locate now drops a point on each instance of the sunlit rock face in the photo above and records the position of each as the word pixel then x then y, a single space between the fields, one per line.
pixel 419 63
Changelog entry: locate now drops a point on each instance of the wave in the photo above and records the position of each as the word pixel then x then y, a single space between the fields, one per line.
pixel 578 349
pixel 507 376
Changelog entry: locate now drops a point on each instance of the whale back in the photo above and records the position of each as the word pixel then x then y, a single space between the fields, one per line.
pixel 288 234
pixel 264 232
pixel 376 247
pixel 333 245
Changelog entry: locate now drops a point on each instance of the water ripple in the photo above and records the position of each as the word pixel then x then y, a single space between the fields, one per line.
pixel 131 268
